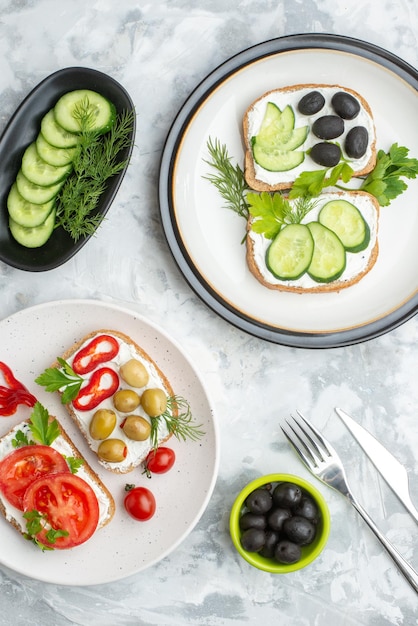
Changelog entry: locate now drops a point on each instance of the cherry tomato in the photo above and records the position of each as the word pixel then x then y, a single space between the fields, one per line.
pixel 160 460
pixel 22 466
pixel 99 350
pixel 68 503
pixel 140 503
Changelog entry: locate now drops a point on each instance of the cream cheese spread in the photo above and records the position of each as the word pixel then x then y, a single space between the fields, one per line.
pixel 137 450
pixel 356 261
pixel 292 98
pixel 62 446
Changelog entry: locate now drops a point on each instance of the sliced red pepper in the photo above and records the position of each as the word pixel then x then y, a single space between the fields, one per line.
pixel 14 394
pixel 101 349
pixel 103 384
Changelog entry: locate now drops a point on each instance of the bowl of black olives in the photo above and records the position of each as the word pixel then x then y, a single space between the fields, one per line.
pixel 279 523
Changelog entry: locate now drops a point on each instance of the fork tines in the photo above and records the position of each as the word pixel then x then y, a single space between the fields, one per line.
pixel 307 440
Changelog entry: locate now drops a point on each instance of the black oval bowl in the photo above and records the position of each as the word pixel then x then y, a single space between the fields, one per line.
pixel 21 130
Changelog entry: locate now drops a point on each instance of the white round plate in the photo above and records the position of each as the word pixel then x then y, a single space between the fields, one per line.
pixel 206 239
pixel 30 342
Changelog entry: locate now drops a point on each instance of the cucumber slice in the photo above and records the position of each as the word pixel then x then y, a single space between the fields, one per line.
pixel 38 172
pixel 33 237
pixel 55 134
pixel 276 160
pixel 25 213
pixel 35 193
pixel 277 126
pixel 53 155
pixel 72 105
pixel 329 258
pixel 348 224
pixel 296 138
pixel 290 253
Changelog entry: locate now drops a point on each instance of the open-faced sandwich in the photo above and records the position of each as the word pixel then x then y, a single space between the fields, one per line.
pixel 122 402
pixel 316 245
pixel 48 491
pixel 306 127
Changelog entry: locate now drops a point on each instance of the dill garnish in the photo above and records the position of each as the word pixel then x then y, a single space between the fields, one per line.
pixel 96 161
pixel 229 180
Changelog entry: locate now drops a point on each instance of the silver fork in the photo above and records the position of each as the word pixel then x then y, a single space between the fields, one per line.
pixel 322 460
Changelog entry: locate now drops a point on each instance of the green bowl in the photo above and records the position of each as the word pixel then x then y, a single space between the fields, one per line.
pixel 309 553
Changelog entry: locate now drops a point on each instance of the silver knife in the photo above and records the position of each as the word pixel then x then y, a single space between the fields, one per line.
pixel 389 467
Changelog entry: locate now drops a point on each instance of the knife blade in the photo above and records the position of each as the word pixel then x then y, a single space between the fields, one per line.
pixel 386 464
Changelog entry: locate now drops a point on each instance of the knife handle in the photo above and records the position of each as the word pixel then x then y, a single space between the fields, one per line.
pixel 405 568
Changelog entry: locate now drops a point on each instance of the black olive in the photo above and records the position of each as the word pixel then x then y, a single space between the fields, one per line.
pixel 327 154
pixel 299 530
pixel 311 103
pixel 307 509
pixel 287 495
pixel 345 105
pixel 277 517
pixel 271 540
pixel 328 127
pixel 252 520
pixel 287 552
pixel 356 142
pixel 253 539
pixel 259 501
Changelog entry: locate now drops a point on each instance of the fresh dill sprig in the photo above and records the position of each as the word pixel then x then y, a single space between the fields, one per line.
pixel 229 180
pixel 178 420
pixel 96 161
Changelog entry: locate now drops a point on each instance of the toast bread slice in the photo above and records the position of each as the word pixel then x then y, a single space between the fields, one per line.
pixel 63 442
pixel 137 451
pixel 363 262
pixel 259 179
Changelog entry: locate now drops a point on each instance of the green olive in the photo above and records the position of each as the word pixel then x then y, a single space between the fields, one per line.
pixel 134 373
pixel 126 400
pixel 102 423
pixel 112 450
pixel 136 427
pixel 154 402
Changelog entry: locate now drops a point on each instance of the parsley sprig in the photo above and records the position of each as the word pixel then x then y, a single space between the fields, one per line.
pixel 64 380
pixel 96 160
pixel 35 523
pixel 178 420
pixel 272 211
pixel 43 430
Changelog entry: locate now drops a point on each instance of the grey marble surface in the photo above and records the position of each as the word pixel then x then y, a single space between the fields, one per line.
pixel 160 51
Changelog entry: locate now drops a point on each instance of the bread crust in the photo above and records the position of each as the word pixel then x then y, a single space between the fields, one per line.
pixel 70 353
pixel 249 165
pixel 94 478
pixel 333 286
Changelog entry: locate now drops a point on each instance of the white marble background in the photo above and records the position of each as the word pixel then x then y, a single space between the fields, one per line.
pixel 160 51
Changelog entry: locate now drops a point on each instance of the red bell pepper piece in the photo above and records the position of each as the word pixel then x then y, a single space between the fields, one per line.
pixel 103 384
pixel 14 394
pixel 101 349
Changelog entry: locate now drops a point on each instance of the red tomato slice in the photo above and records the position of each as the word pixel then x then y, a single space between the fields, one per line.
pixel 24 465
pixel 69 504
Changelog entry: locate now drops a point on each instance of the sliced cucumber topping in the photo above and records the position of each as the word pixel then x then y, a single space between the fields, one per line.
pixel 290 253
pixel 276 126
pixel 296 138
pixel 33 237
pixel 53 155
pixel 38 172
pixel 55 134
pixel 36 194
pixel 73 105
pixel 329 257
pixel 276 160
pixel 25 213
pixel 347 222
